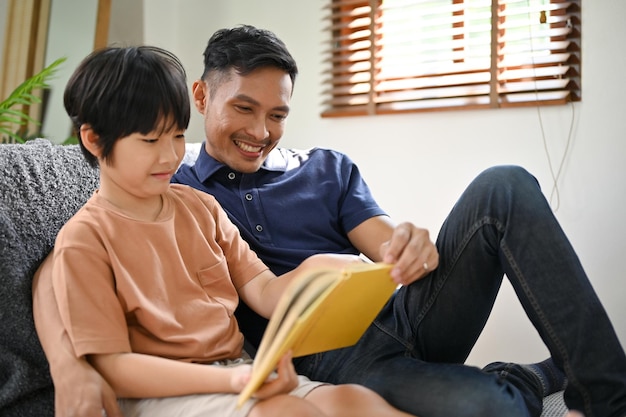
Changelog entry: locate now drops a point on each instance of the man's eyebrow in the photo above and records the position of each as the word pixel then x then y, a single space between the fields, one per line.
pixel 252 101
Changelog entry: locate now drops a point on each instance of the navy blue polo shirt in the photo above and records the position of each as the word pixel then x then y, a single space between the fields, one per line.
pixel 299 203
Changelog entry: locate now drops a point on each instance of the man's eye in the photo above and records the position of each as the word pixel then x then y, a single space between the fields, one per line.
pixel 150 140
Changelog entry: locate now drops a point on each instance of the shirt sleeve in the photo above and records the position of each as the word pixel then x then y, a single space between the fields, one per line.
pixel 243 262
pixel 358 203
pixel 84 289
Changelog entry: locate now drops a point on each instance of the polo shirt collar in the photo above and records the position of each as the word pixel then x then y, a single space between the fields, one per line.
pixel 206 166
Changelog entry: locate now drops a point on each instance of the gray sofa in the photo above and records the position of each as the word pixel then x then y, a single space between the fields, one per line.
pixel 41 186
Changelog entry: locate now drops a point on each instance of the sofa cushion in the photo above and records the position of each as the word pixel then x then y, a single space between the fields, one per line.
pixel 41 187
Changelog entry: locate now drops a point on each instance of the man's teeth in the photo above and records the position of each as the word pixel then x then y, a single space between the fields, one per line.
pixel 248 148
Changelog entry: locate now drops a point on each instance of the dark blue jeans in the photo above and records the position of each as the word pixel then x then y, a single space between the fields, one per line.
pixel 413 354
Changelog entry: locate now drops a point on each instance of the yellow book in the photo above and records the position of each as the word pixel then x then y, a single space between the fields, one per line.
pixel 321 310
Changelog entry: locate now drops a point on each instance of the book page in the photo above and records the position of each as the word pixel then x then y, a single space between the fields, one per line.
pixel 285 304
pixel 323 310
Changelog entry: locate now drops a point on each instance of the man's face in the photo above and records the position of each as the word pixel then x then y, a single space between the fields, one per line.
pixel 244 116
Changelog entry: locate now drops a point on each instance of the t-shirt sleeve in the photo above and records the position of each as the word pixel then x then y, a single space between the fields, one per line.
pixel 84 288
pixel 243 262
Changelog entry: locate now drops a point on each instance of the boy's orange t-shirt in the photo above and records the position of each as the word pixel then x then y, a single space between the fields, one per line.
pixel 166 288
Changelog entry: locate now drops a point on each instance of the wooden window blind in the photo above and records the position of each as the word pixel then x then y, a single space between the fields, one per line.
pixel 391 56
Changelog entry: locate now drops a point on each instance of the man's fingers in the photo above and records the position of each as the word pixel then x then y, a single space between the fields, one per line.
pixel 109 402
pixel 411 251
pixel 394 248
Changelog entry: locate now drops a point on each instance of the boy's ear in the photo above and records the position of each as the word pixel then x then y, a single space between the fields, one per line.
pixel 89 138
pixel 200 94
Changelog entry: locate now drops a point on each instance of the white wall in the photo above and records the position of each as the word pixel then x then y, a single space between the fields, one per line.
pixel 418 164
pixel 71 34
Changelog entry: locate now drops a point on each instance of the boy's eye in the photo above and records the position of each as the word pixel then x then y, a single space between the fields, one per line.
pixel 150 140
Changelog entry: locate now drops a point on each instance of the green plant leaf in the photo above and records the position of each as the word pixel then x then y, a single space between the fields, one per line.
pixel 18 117
pixel 22 96
pixel 12 137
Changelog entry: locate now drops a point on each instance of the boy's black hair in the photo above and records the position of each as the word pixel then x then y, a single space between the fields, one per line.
pixel 245 48
pixel 123 90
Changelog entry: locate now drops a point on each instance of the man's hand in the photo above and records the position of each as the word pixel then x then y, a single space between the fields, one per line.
pixel 412 252
pixel 79 390
pixel 82 392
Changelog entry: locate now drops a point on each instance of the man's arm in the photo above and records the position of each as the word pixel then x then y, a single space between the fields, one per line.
pixel 406 246
pixel 80 391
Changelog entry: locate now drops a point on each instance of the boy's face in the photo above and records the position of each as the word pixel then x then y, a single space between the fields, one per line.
pixel 140 167
pixel 244 118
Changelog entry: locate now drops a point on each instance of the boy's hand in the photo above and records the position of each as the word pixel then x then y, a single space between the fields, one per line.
pixel 281 382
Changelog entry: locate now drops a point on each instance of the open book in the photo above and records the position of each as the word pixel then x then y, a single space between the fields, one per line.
pixel 321 310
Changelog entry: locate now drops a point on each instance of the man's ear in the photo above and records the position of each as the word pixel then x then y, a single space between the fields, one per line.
pixel 200 95
pixel 90 140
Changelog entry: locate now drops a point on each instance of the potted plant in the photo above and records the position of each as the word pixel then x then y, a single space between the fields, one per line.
pixel 12 108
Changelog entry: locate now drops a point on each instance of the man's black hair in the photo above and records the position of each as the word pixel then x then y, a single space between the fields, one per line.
pixel 245 48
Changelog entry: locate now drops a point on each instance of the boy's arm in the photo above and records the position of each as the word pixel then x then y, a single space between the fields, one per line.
pixel 135 375
pixel 263 291
pixel 79 389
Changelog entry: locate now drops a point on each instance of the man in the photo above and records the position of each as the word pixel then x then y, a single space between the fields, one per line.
pixel 289 205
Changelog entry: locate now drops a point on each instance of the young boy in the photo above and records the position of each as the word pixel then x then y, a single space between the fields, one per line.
pixel 147 275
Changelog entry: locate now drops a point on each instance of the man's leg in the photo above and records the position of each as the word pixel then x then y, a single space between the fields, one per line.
pixel 501 224
pixel 516 225
pixel 425 389
pixel 414 351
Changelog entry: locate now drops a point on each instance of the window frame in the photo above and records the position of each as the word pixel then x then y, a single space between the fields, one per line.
pixel 356 33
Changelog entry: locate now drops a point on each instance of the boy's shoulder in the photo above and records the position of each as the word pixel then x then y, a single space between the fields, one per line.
pixel 188 193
